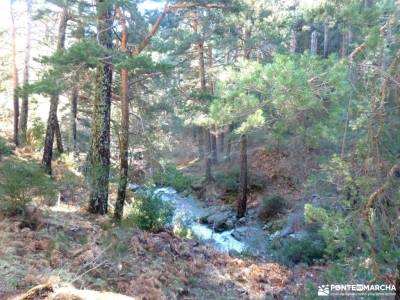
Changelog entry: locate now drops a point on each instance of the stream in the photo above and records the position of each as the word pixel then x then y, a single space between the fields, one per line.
pixel 189 211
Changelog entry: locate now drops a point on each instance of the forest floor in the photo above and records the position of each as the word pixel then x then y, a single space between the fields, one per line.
pixel 66 246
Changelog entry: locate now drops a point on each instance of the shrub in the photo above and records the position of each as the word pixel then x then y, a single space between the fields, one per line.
pixel 336 231
pixel 172 177
pixel 35 134
pixel 20 182
pixel 229 180
pixel 271 206
pixel 149 212
pixel 5 149
pixel 305 249
pixel 257 182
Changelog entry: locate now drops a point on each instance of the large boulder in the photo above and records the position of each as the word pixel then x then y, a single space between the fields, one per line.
pixel 221 221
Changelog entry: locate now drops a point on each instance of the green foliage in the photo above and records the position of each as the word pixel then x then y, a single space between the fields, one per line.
pixel 35 133
pixel 142 64
pixel 5 149
pixel 149 212
pixel 305 249
pixel 271 206
pixel 229 180
pixel 337 232
pixel 172 177
pixel 20 183
pixel 84 53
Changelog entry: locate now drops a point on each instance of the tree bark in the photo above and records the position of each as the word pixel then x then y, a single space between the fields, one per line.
pixel 326 40
pixel 53 127
pixel 214 149
pixel 14 75
pixel 229 143
pixel 124 134
pixel 57 132
pixel 99 153
pixel 203 88
pixel 221 141
pixel 208 161
pixel 242 195
pixel 200 136
pixel 314 43
pixel 23 124
pixel 73 118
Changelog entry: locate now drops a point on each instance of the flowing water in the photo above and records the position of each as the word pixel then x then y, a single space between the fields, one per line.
pixel 187 214
pixel 188 211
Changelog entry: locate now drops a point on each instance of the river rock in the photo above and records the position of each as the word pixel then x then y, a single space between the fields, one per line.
pixel 220 221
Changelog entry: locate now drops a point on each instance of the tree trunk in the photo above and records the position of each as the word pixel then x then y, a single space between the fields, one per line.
pixel 73 118
pixel 214 149
pixel 242 193
pixel 229 143
pixel 99 153
pixel 346 40
pixel 293 42
pixel 57 132
pixel 23 124
pixel 200 136
pixel 221 141
pixel 124 134
pixel 53 128
pixel 242 196
pixel 208 161
pixel 314 43
pixel 49 137
pixel 326 40
pixel 14 75
pixel 203 88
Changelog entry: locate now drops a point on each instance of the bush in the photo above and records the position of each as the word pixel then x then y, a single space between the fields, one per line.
pixel 172 177
pixel 257 182
pixel 335 229
pixel 5 149
pixel 271 206
pixel 20 182
pixel 35 133
pixel 229 180
pixel 305 249
pixel 149 212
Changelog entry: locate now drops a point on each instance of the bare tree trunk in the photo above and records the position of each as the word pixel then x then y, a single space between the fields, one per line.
pixel 326 40
pixel 314 43
pixel 14 75
pixel 242 195
pixel 53 128
pixel 124 134
pixel 23 124
pixel 99 153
